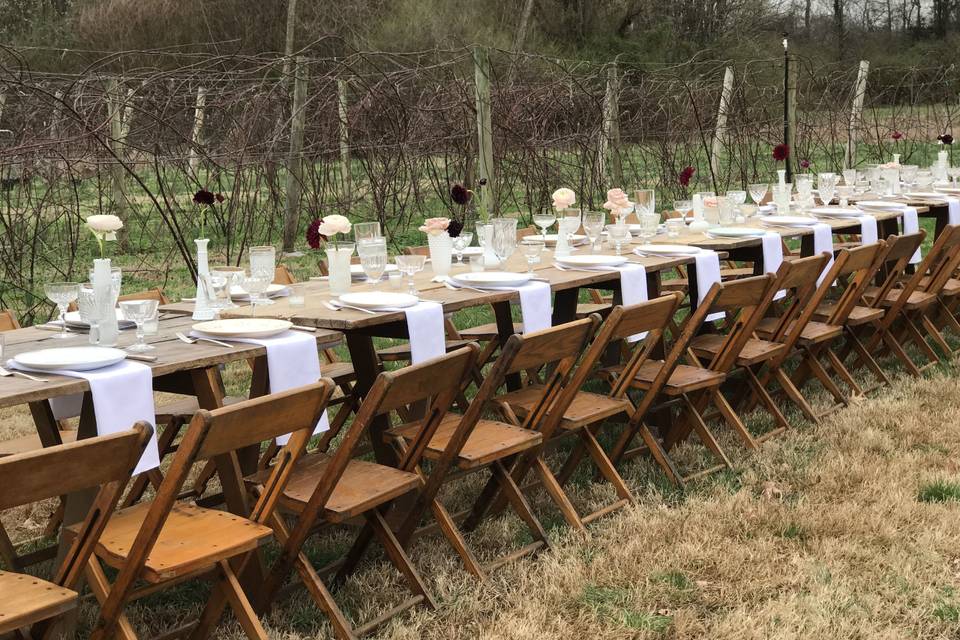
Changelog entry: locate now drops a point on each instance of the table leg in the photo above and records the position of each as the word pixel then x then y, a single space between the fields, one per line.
pixel 806 245
pixel 504 316
pixel 366 365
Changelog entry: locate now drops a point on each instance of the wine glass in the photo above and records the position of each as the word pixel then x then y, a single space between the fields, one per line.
pixel 62 294
pixel 619 234
pixel 461 242
pixel 263 260
pixel 139 311
pixel 908 173
pixel 850 177
pixel 255 284
pixel 87 305
pixel 545 219
pixel 683 207
pixel 569 223
pixel 410 265
pixel 532 250
pixel 645 201
pixel 593 225
pixel 827 187
pixel 758 192
pixel 504 238
pixel 234 278
pixel 374 260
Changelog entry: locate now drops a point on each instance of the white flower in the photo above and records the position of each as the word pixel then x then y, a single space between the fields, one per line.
pixel 334 224
pixel 105 227
pixel 563 198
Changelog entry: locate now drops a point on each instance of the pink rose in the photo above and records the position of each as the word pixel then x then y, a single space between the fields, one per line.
pixel 617 199
pixel 435 226
pixel 563 198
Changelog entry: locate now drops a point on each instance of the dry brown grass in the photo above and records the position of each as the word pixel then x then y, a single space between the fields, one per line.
pixel 818 535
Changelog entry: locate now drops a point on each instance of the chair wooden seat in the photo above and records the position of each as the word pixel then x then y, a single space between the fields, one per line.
pixel 339 372
pixel 487 331
pixel 754 350
pixel 858 316
pixel 364 485
pixel 586 308
pixel 813 333
pixel 187 406
pixel 683 379
pixel 402 351
pixel 31 442
pixel 489 441
pixel 726 273
pixel 950 289
pixel 586 408
pixel 27 599
pixel 916 300
pixel 191 538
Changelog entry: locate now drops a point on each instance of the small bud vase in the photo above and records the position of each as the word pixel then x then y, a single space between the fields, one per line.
pixel 106 290
pixel 201 305
pixel 441 253
pixel 338 267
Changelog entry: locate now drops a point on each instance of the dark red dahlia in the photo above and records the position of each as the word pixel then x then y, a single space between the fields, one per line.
pixel 686 175
pixel 460 194
pixel 945 138
pixel 454 228
pixel 204 197
pixel 896 135
pixel 314 237
pixel 781 152
pixel 804 164
pixel 219 197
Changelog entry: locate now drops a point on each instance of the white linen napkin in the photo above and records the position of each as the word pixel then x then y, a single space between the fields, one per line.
pixel 953 209
pixel 292 361
pixel 426 331
pixel 633 290
pixel 911 224
pixel 868 229
pixel 823 242
pixel 708 272
pixel 536 307
pixel 122 395
pixel 772 256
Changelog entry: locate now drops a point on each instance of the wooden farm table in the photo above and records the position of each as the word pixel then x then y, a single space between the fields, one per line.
pixel 935 208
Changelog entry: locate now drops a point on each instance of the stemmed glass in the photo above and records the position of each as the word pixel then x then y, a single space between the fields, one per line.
pixel 619 234
pixel 758 192
pixel 593 226
pixel 645 201
pixel 569 223
pixel 374 260
pixel 367 236
pixel 263 260
pixel 954 173
pixel 683 207
pixel 461 242
pixel 255 284
pixel 545 219
pixel 532 250
pixel 826 187
pixel 139 311
pixel 87 305
pixel 62 294
pixel 411 265
pixel 504 238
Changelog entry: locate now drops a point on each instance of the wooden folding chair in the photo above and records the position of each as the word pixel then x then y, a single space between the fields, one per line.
pixel 165 542
pixel 798 278
pixel 329 489
pixel 582 413
pixel 29 605
pixel 8 321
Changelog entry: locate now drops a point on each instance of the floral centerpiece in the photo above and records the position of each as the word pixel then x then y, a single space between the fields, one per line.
pixel 565 198
pixel 618 204
pixel 440 243
pixel 322 233
pixel 106 281
pixel 205 201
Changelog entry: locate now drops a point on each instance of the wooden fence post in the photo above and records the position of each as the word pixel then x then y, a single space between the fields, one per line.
pixel 57 113
pixel 344 127
pixel 856 111
pixel 127 116
pixel 609 148
pixel 481 83
pixel 792 105
pixel 289 42
pixel 720 132
pixel 114 112
pixel 291 205
pixel 197 127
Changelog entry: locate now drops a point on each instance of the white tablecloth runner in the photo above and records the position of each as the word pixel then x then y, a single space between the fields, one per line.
pixel 868 229
pixel 633 286
pixel 536 306
pixel 773 256
pixel 823 242
pixel 911 224
pixel 426 331
pixel 708 272
pixel 122 395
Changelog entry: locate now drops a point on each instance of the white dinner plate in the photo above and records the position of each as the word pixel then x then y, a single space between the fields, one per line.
pixel 551 238
pixel 71 358
pixel 736 232
pixel 472 251
pixel 885 205
pixel 72 318
pixel 591 261
pixel 789 221
pixel 378 299
pixel 836 212
pixel 238 293
pixel 492 278
pixel 666 249
pixel 925 194
pixel 952 191
pixel 242 327
pixel 356 270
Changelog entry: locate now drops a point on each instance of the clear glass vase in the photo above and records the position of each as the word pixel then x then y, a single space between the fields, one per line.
pixel 201 305
pixel 106 289
pixel 338 267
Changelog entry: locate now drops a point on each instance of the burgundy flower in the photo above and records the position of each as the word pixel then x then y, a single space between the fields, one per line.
pixel 454 228
pixel 314 237
pixel 781 152
pixel 204 197
pixel 896 135
pixel 945 138
pixel 686 175
pixel 804 164
pixel 483 182
pixel 460 194
pixel 219 197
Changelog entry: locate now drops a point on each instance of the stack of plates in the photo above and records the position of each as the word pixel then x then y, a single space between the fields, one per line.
pixel 735 232
pixel 274 290
pixel 591 261
pixel 789 221
pixel 242 327
pixel 880 206
pixel 70 358
pixel 375 300
pixel 550 239
pixel 73 321
pixel 491 279
pixel 925 195
pixel 670 250
pixel 836 212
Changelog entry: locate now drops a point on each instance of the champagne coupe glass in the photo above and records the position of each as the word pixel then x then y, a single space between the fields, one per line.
pixel 411 265
pixel 683 207
pixel 908 173
pixel 545 219
pixel 619 234
pixel 827 187
pixel 504 238
pixel 374 260
pixel 593 222
pixel 532 250
pixel 255 284
pixel 758 192
pixel 139 311
pixel 461 242
pixel 62 294
pixel 263 260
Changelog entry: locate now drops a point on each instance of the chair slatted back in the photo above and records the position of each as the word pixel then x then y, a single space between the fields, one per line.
pixel 799 279
pixel 551 345
pixel 856 267
pixel 899 251
pixel 105 462
pixel 8 321
pixel 931 274
pixel 283 275
pixel 745 301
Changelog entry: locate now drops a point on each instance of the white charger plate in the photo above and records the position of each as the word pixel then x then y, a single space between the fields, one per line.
pixel 71 358
pixel 667 249
pixel 736 232
pixel 925 194
pixel 72 318
pixel 378 299
pixel 551 238
pixel 492 278
pixel 242 327
pixel 834 212
pixel 356 270
pixel 591 261
pixel 789 221
pixel 885 205
pixel 472 251
pixel 952 191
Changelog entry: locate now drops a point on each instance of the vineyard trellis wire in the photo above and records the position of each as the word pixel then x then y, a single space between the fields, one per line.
pixel 386 134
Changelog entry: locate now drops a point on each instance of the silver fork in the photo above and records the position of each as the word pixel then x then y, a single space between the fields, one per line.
pixel 8 372
pixel 185 338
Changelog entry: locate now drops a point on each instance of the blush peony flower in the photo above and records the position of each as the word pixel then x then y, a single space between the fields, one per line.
pixel 781 152
pixel 686 175
pixel 435 226
pixel 332 225
pixel 105 226
pixel 563 198
pixel 616 200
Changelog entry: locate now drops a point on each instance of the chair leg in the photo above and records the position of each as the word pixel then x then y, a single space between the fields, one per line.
pixel 864 356
pixel 244 613
pixel 899 351
pixel 453 535
pixel 165 446
pixel 733 420
pixel 398 556
pixel 761 392
pixel 118 628
pixel 519 503
pixel 9 553
pixel 603 464
pixel 704 433
pixel 556 493
pixel 845 375
pixel 821 374
pixel 324 599
pixel 795 396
